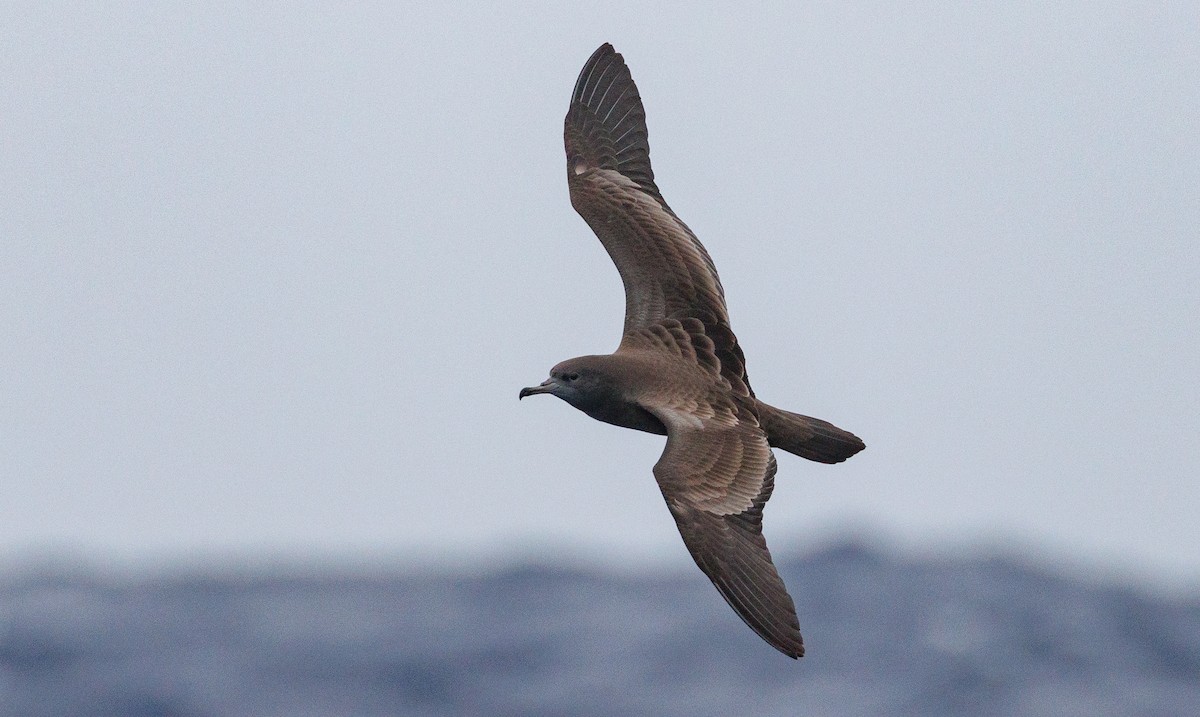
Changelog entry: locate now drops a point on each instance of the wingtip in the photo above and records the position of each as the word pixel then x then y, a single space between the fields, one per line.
pixel 792 645
pixel 604 50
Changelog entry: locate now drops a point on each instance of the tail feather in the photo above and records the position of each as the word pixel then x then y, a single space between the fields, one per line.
pixel 807 437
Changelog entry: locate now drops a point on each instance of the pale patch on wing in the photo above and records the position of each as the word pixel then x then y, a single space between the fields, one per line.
pixel 696 414
pixel 713 461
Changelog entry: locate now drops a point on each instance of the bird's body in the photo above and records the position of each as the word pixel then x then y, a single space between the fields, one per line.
pixel 679 370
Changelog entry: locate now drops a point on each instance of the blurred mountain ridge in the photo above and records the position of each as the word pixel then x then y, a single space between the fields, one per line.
pixel 886 634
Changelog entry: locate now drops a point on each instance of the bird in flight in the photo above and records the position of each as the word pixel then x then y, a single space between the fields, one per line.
pixel 678 370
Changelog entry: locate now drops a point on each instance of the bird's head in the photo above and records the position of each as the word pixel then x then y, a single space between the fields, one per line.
pixel 578 381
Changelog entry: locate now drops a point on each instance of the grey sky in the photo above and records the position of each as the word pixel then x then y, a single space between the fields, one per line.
pixel 272 277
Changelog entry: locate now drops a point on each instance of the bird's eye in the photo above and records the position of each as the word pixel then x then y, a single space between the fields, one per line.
pixel 571 376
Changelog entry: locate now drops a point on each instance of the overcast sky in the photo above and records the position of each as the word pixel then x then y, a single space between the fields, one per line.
pixel 270 279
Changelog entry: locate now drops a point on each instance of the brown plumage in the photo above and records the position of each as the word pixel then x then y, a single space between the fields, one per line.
pixel 679 370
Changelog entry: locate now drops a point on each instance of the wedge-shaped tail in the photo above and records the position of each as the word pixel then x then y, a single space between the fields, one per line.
pixel 807 437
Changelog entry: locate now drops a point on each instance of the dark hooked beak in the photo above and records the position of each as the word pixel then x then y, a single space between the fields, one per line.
pixel 544 387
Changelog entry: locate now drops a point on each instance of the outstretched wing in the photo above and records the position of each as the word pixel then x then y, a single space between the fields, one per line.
pixel 666 271
pixel 716 474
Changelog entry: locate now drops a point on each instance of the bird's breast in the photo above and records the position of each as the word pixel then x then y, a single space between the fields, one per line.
pixel 626 415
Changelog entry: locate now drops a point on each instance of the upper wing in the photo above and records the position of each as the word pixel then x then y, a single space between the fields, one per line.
pixel 710 346
pixel 666 271
pixel 716 474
